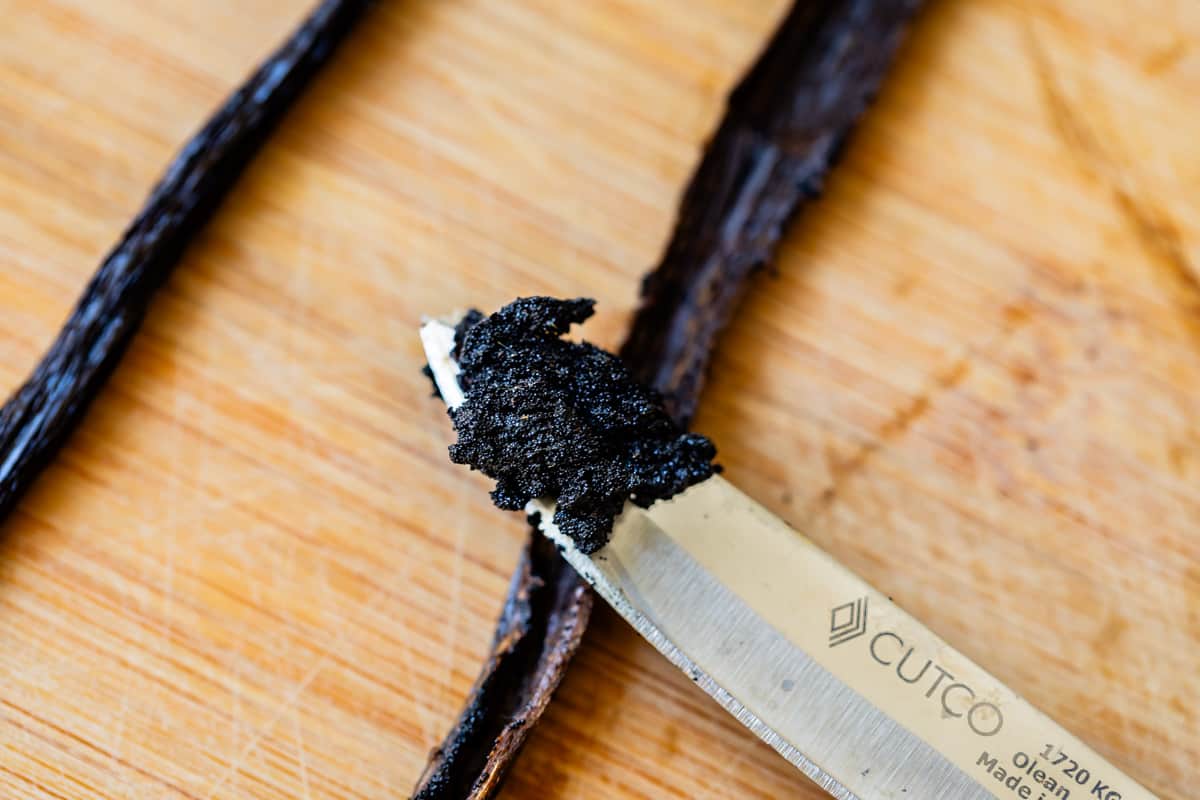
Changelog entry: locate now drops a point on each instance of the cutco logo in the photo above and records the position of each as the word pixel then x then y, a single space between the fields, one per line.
pixel 847 622
pixel 954 698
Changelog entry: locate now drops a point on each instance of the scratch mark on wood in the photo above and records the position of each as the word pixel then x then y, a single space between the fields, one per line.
pixel 285 708
pixel 1108 638
pixel 1162 60
pixel 84 744
pixel 1156 232
pixel 486 108
pixel 302 753
pixel 1014 316
pixel 892 430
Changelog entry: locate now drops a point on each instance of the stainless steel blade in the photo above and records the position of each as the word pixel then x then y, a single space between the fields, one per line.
pixel 831 733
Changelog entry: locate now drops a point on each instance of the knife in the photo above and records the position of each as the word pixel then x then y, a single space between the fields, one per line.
pixel 857 694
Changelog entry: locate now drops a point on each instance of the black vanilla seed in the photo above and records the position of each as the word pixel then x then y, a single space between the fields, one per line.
pixel 546 417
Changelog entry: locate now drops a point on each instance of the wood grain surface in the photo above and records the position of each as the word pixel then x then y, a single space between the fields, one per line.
pixel 975 379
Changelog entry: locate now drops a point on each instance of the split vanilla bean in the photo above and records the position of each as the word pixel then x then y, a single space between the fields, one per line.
pixel 38 418
pixel 784 126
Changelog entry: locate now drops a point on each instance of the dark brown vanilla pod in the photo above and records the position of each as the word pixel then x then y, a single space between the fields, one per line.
pixel 539 629
pixel 782 131
pixel 38 418
pixel 783 128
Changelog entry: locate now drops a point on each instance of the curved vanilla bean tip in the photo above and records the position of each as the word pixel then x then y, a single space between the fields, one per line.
pixel 38 418
pixel 784 127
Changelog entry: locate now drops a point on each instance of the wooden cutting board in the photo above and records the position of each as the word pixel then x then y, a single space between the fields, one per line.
pixel 974 377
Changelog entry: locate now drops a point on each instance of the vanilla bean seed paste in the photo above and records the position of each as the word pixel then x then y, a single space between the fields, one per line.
pixel 546 417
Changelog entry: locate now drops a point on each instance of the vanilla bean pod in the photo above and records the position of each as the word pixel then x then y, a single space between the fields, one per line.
pixel 38 418
pixel 784 127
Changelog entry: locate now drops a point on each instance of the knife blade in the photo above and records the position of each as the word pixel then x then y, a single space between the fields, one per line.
pixel 854 692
